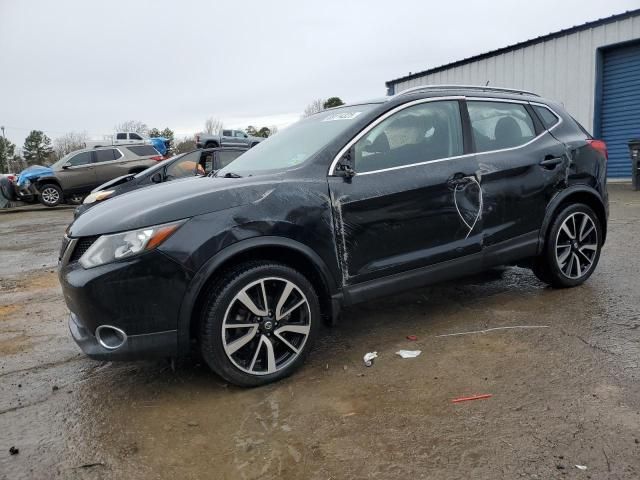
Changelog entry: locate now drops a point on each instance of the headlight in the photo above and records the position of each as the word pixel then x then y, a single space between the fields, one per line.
pixel 109 248
pixel 99 196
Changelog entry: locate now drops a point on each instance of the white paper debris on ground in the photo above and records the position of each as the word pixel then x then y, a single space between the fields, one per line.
pixel 492 330
pixel 409 353
pixel 368 358
pixel 581 467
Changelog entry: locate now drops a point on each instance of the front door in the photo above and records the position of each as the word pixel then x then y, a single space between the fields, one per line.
pixel 77 175
pixel 413 200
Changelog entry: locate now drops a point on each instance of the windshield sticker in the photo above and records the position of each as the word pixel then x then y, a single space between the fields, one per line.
pixel 341 116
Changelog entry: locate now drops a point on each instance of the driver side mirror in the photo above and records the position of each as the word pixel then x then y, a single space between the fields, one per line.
pixel 65 166
pixel 344 168
pixel 157 177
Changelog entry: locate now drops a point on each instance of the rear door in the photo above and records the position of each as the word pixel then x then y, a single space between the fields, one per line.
pixel 78 175
pixel 521 167
pixel 226 138
pixel 108 164
pixel 408 205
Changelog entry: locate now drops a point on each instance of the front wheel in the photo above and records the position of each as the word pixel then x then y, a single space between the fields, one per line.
pixel 572 248
pixel 50 195
pixel 258 323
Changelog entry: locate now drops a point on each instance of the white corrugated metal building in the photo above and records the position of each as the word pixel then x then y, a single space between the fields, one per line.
pixel 593 69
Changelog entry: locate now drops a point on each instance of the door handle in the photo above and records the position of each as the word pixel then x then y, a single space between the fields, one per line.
pixel 550 162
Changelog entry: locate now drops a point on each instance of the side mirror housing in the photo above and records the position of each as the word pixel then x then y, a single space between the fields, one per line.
pixel 344 168
pixel 65 166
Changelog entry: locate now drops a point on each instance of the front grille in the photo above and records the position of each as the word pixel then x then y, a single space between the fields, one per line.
pixel 82 246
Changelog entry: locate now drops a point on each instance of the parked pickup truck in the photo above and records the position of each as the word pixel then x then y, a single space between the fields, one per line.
pixel 161 144
pixel 228 138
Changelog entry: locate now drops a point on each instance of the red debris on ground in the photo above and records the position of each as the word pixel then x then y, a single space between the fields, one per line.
pixel 475 397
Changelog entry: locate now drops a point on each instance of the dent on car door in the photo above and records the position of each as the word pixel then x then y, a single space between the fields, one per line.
pixel 408 204
pixel 521 165
pixel 78 173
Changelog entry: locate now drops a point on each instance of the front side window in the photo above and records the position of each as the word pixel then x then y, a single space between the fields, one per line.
pixel 187 166
pixel 239 134
pixel 499 125
pixel 135 136
pixel 80 159
pixel 424 132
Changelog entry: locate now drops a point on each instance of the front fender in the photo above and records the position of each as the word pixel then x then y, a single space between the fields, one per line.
pixel 199 280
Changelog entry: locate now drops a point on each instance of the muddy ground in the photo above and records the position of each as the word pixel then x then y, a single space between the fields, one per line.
pixel 564 395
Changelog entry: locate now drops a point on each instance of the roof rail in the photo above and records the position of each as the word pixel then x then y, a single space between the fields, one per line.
pixel 481 88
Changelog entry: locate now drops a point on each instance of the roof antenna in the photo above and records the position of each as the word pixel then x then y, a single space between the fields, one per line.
pixel 486 84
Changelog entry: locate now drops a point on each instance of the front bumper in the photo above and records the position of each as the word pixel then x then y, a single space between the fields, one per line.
pixel 140 296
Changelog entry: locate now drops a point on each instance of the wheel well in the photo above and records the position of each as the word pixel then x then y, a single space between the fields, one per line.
pixel 42 183
pixel 279 254
pixel 211 145
pixel 588 199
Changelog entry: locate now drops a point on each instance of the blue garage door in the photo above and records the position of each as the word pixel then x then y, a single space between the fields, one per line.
pixel 620 120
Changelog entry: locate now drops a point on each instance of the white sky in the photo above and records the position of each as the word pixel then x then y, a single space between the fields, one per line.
pixel 85 65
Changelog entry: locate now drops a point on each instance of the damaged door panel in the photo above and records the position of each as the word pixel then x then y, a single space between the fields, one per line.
pixel 413 200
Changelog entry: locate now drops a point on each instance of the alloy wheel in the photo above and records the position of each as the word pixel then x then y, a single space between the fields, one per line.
pixel 266 326
pixel 576 245
pixel 50 195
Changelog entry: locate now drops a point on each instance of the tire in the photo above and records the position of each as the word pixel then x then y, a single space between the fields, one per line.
pixel 272 346
pixel 253 144
pixel 566 261
pixel 7 189
pixel 211 145
pixel 50 194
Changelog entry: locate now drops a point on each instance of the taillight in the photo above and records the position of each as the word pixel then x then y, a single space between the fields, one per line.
pixel 157 158
pixel 600 146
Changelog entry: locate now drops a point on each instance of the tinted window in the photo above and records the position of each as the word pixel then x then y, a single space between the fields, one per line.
pixel 416 134
pixel 226 133
pixel 143 150
pixel 107 155
pixel 225 158
pixel 135 136
pixel 187 166
pixel 80 159
pixel 547 117
pixel 121 136
pixel 498 125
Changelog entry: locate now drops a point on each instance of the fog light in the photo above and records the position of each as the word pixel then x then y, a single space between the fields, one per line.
pixel 110 337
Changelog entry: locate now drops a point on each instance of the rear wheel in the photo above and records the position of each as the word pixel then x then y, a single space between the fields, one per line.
pixel 211 145
pixel 572 247
pixel 258 323
pixel 50 195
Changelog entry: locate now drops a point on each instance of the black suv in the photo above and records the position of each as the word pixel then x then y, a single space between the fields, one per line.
pixel 344 206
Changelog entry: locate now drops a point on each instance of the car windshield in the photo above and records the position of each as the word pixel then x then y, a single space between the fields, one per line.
pixel 58 165
pixel 297 143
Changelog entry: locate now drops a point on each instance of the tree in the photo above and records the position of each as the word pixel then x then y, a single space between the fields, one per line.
pixel 251 130
pixel 264 132
pixel 135 126
pixel 185 145
pixel 314 107
pixel 7 152
pixel 37 148
pixel 333 102
pixel 69 142
pixel 274 130
pixel 212 126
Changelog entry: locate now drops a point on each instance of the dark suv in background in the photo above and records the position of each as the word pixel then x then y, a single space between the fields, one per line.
pixel 345 206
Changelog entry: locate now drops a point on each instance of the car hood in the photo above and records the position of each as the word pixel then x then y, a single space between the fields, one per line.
pixel 169 201
pixel 32 173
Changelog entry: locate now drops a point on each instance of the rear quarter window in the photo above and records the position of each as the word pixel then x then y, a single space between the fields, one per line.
pixel 547 117
pixel 143 150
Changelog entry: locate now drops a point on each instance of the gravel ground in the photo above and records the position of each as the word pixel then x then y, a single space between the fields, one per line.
pixel 563 396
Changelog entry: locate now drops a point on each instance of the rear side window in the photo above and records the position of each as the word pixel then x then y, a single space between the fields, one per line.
pixel 225 158
pixel 499 125
pixel 143 150
pixel 107 155
pixel 416 134
pixel 121 136
pixel 226 133
pixel 547 117
pixel 80 159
